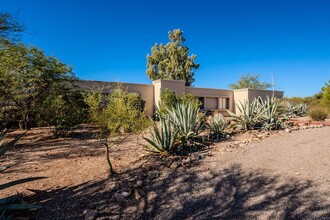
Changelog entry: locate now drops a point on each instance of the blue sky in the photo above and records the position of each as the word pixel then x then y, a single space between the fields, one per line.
pixel 109 40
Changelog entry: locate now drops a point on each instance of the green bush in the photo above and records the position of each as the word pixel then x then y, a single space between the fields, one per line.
pixel 117 112
pixel 318 114
pixel 170 99
pixel 63 112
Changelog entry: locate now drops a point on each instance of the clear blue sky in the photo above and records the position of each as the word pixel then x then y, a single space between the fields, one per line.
pixel 109 40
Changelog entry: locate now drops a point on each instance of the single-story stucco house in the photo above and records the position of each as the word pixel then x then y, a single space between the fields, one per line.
pixel 218 100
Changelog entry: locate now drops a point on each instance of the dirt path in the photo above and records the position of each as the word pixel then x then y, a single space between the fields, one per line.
pixel 286 176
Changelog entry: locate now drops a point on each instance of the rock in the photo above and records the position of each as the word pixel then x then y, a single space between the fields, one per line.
pixel 119 198
pixel 139 194
pixel 139 183
pixel 174 165
pixel 91 215
pixel 153 175
pixel 126 194
pixel 287 130
pixel 187 161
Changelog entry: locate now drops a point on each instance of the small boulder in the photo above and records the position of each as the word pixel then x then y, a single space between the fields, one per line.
pixel 91 215
pixel 119 198
pixel 287 130
pixel 126 194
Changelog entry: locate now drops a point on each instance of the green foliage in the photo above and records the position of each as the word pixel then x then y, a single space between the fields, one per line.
pixel 184 117
pixel 271 117
pixel 317 114
pixel 291 109
pixel 63 111
pixel 12 202
pixel 162 139
pixel 264 114
pixel 117 112
pixel 250 114
pixel 171 61
pixel 170 99
pixel 250 81
pixel 27 76
pixel 218 126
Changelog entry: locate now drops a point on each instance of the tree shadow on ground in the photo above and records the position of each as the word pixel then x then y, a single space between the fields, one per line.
pixel 230 193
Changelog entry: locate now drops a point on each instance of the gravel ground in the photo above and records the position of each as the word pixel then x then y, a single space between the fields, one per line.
pixel 285 176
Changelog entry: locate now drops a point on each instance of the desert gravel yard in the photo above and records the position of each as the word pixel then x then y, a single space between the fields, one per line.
pixel 285 176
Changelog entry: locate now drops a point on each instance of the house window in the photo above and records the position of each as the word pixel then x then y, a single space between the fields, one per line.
pixel 224 103
pixel 201 99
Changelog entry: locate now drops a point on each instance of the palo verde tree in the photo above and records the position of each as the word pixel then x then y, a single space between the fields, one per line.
pixel 250 81
pixel 27 75
pixel 171 61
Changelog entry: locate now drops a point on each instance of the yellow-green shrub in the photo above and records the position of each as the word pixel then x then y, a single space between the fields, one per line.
pixel 317 114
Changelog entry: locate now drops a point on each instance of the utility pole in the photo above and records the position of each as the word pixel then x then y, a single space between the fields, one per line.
pixel 273 84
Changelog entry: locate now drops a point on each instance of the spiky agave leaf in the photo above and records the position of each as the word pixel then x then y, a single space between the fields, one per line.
pixel 184 117
pixel 218 126
pixel 162 139
pixel 250 114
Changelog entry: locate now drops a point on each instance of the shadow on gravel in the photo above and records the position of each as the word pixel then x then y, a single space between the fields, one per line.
pixel 231 193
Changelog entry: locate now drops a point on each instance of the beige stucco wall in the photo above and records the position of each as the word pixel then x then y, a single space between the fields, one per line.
pixel 241 95
pixel 161 85
pixel 144 90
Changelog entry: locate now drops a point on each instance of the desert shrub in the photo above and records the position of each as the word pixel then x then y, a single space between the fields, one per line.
pixel 218 126
pixel 162 139
pixel 117 112
pixel 63 112
pixel 15 202
pixel 170 99
pixel 317 114
pixel 185 118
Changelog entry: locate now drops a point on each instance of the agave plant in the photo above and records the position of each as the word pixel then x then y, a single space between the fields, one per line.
pixel 218 126
pixel 162 139
pixel 12 202
pixel 302 109
pixel 271 117
pixel 250 114
pixel 290 110
pixel 185 119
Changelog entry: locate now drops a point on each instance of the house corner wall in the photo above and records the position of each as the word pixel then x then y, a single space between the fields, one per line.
pixel 161 85
pixel 242 95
